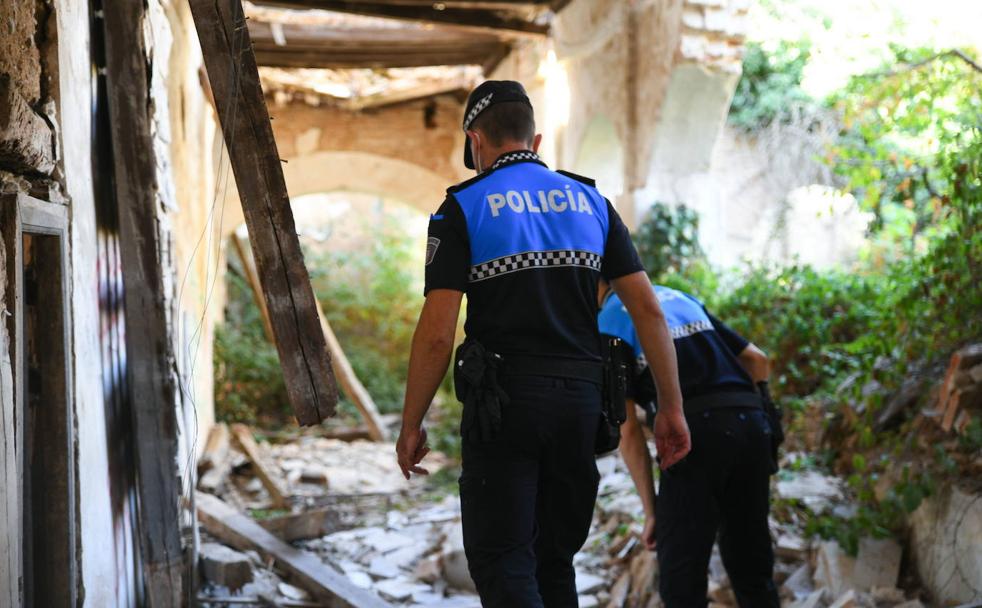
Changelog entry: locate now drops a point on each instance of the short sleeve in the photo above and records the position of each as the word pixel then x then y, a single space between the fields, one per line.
pixel 448 252
pixel 620 256
pixel 734 341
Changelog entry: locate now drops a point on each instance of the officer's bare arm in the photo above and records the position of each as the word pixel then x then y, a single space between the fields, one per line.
pixel 755 362
pixel 430 354
pixel 428 361
pixel 634 451
pixel 656 341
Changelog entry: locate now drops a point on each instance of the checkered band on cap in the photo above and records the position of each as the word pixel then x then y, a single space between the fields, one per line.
pixel 535 259
pixel 477 109
pixel 513 157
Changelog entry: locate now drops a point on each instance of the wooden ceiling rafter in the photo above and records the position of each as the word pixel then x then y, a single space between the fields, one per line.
pixel 302 46
pixel 443 13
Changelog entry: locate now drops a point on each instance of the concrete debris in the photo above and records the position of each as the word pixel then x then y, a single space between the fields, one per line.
pixel 223 566
pixel 799 584
pixel 877 564
pixel 817 491
pixel 294 593
pixel 813 600
pixel 408 549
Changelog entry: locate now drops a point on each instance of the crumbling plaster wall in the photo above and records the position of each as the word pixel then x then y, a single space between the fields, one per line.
pixel 196 191
pixel 410 152
pixel 424 133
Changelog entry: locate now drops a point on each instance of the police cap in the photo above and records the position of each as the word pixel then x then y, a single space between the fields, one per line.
pixel 483 97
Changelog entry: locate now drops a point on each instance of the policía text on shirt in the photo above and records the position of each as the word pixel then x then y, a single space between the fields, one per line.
pixel 553 201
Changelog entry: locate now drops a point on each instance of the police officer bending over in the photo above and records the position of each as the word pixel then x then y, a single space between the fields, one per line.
pixel 527 245
pixel 723 484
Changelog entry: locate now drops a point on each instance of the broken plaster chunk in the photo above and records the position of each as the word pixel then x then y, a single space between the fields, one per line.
pixel 429 570
pixel 588 583
pixel 294 593
pixel 799 583
pixel 589 601
pixel 382 568
pixel 847 600
pixel 814 600
pixel 360 579
pixel 877 564
pixel 399 589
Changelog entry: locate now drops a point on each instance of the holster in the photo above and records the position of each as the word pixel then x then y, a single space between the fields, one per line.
pixel 476 387
pixel 775 415
pixel 617 357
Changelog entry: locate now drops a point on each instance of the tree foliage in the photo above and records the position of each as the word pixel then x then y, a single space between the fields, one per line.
pixel 903 124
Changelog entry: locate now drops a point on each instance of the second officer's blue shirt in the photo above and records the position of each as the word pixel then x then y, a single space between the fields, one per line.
pixel 528 245
pixel 705 347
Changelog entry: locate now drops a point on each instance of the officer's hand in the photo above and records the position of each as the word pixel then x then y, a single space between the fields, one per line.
pixel 648 533
pixel 671 436
pixel 410 450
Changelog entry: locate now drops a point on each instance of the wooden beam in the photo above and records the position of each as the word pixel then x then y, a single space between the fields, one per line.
pixel 303 526
pixel 319 46
pixel 473 19
pixel 234 79
pixel 252 278
pixel 151 388
pixel 305 569
pixel 350 383
pixel 215 461
pixel 243 437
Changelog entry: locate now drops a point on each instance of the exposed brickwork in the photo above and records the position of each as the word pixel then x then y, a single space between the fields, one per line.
pixel 713 33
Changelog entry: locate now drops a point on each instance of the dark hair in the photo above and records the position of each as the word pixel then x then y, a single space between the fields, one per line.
pixel 507 121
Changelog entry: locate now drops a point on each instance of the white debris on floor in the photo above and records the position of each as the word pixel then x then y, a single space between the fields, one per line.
pixel 403 541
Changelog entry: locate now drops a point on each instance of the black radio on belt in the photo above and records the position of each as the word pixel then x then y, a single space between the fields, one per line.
pixel 617 356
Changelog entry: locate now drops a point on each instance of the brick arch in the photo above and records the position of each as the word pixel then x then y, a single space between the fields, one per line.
pixel 417 186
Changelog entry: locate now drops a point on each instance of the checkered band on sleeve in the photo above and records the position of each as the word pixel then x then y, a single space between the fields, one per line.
pixel 535 259
pixel 515 157
pixel 689 329
pixel 477 109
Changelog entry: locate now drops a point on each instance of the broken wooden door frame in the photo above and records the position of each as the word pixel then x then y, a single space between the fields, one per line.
pixel 23 215
pixel 151 382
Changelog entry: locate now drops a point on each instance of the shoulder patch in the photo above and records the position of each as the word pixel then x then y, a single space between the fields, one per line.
pixel 586 180
pixel 432 244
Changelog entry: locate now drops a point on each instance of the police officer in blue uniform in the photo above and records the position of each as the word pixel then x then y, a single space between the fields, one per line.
pixel 528 246
pixel 722 487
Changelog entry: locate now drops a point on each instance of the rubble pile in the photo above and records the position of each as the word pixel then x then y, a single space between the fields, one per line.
pixel 347 504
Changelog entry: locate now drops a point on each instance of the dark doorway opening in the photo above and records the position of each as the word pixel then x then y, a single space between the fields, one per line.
pixel 48 490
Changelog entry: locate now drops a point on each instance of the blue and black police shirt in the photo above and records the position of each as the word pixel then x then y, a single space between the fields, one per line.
pixel 527 245
pixel 705 347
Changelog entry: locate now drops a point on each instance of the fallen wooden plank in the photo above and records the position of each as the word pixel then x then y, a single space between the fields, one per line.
pixel 350 383
pixel 152 392
pixel 234 77
pixel 304 569
pixel 347 434
pixel 252 278
pixel 215 461
pixel 303 526
pixel 245 440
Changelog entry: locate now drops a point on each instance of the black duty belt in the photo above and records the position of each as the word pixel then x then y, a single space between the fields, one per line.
pixel 711 401
pixel 526 365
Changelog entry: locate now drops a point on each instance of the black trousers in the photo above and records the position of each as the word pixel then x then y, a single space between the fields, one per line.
pixel 527 497
pixel 722 486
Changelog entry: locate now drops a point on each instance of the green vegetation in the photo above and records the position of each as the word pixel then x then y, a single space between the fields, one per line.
pixel 770 87
pixel 843 341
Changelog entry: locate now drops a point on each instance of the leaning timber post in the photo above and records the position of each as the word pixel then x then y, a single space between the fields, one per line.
pixel 234 77
pixel 151 385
